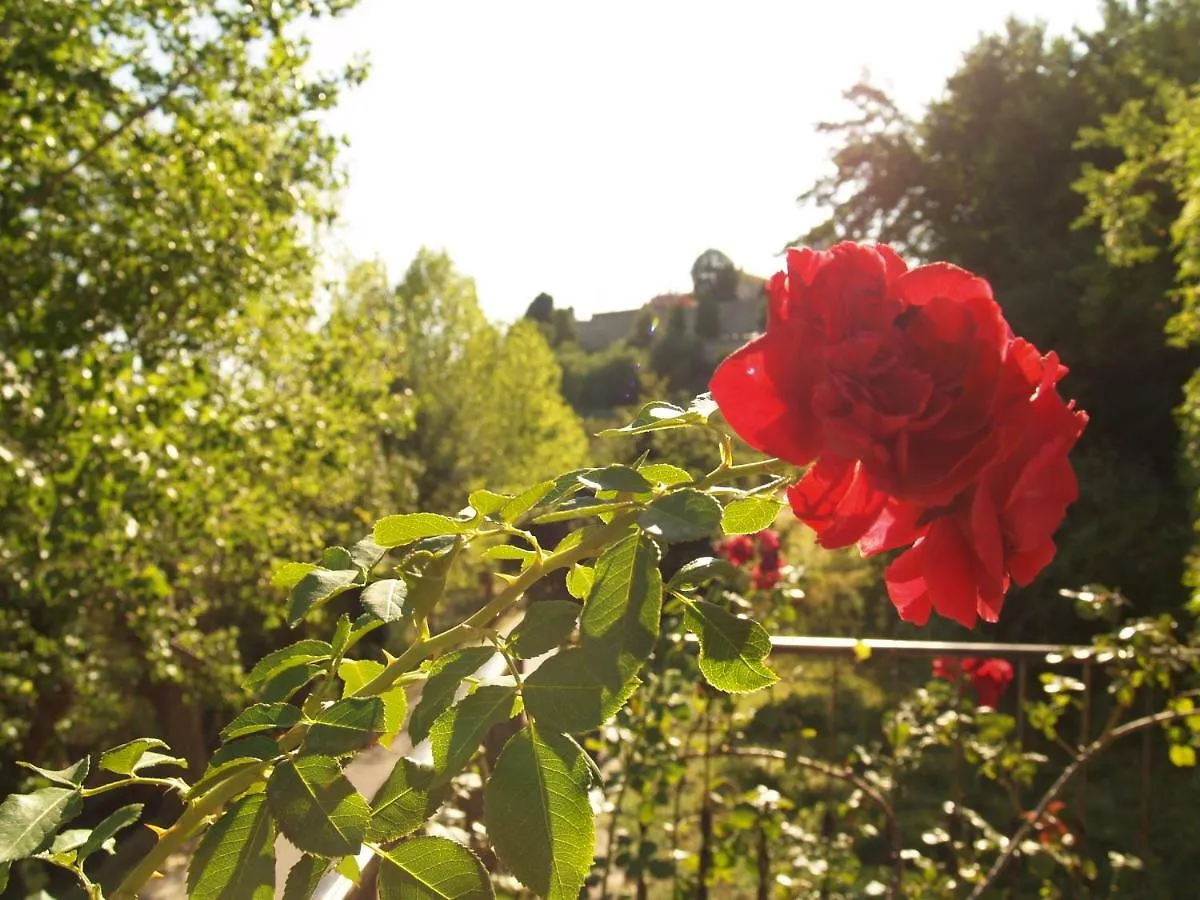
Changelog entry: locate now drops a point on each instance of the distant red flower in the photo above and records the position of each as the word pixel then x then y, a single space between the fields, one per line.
pixel 743 548
pixel 929 424
pixel 739 549
pixel 991 679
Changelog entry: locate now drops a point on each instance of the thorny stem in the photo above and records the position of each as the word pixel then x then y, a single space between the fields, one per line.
pixel 174 785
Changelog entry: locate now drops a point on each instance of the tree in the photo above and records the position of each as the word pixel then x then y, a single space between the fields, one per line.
pixel 478 392
pixel 984 179
pixel 556 325
pixel 165 167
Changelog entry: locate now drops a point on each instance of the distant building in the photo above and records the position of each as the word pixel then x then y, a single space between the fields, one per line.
pixel 740 313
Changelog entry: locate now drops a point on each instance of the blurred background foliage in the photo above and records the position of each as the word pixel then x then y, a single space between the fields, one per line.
pixel 188 394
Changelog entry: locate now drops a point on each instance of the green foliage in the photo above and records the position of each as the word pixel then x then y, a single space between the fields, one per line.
pixel 537 813
pixel 433 868
pixel 316 808
pixel 406 799
pixel 236 857
pixel 732 650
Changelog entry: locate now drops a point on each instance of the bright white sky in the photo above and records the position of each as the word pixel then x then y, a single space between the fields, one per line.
pixel 595 151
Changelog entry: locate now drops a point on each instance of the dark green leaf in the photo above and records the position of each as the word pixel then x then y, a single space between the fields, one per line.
pixel 621 617
pixel 405 801
pixel 4 867
pixel 570 693
pixel 337 558
pixel 433 868
pixel 686 515
pixel 579 581
pixel 236 857
pixel 445 675
pixel 72 776
pixel 257 747
pixel 304 877
pixel 317 587
pixel 101 837
pixel 366 554
pixel 218 773
pixel 395 531
pixel 345 726
pixel 282 686
pixel 458 732
pixel 701 571
pixel 615 478
pixel 547 624
pixel 538 815
pixel 749 515
pixel 385 599
pixel 732 650
pixel 27 820
pixel 316 808
pixel 296 654
pixel 65 842
pixel 261 717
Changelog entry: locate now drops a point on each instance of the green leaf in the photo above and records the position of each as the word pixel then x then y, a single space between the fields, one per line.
pixel 345 726
pixel 508 551
pixel 547 624
pixel 405 801
pixel 654 416
pixel 525 501
pixel 296 654
pixel 128 758
pixel 1183 756
pixel 289 574
pixel 487 502
pixel 257 747
pixel 304 877
pixel 65 842
pixel 366 554
pixel 102 836
pixel 72 776
pixel 395 531
pixel 569 693
pixel 385 599
pixel 699 572
pixel 318 587
pixel 615 478
pixel 621 617
pixel 337 558
pixel 27 820
pixel 458 732
pixel 288 682
pixel 732 650
pixel 4 867
pixel 537 813
pixel 261 717
pixel 665 474
pixel 432 868
pixel 445 675
pixel 425 574
pixel 579 581
pixel 236 857
pixel 316 807
pixel 356 674
pixel 686 515
pixel 749 515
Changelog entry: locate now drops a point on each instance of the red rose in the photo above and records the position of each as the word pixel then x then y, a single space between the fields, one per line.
pixel 864 360
pixel 991 679
pixel 931 425
pixel 1001 529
